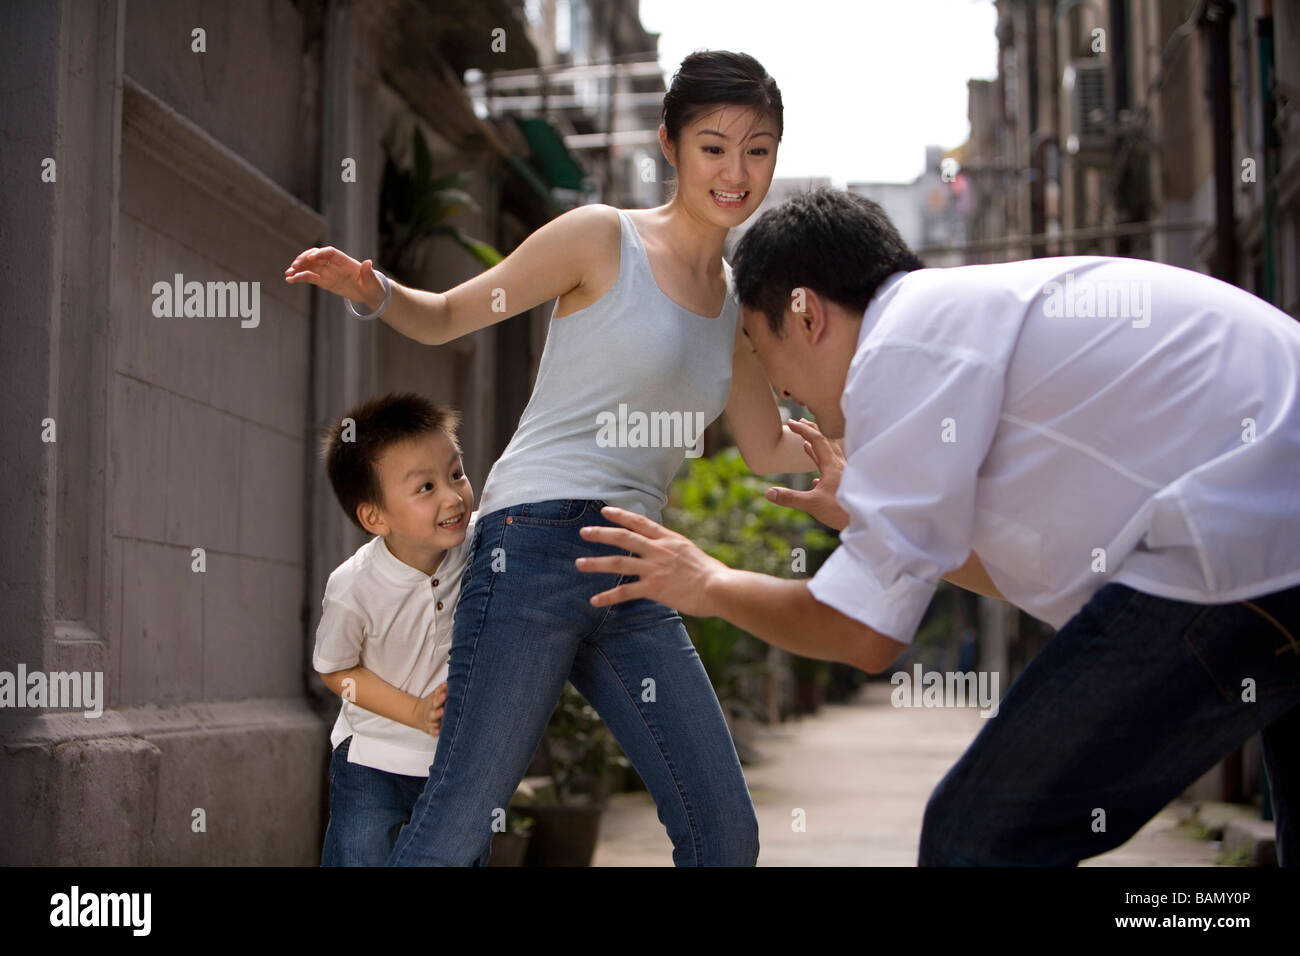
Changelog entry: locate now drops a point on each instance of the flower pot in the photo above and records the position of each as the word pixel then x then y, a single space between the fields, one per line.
pixel 807 696
pixel 509 849
pixel 562 836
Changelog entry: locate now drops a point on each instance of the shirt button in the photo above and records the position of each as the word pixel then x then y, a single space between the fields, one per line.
pixel 439 605
pixel 435 582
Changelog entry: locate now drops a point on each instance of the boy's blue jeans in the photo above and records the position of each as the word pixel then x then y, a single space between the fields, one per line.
pixel 1128 704
pixel 524 625
pixel 367 809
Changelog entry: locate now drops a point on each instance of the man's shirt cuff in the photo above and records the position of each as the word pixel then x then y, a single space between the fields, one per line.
pixel 850 587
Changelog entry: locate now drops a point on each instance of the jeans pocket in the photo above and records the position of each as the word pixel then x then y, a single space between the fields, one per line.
pixel 560 513
pixel 1245 655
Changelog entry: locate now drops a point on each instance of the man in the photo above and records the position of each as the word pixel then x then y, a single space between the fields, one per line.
pixel 1112 445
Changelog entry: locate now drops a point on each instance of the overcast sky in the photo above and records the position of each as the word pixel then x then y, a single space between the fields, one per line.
pixel 866 84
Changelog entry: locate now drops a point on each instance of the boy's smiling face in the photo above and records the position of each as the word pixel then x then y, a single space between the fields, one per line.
pixel 427 499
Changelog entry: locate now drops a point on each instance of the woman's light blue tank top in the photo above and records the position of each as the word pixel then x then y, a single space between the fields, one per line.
pixel 624 390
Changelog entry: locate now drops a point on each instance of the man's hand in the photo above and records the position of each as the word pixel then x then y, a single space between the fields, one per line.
pixel 671 569
pixel 428 710
pixel 780 611
pixel 820 501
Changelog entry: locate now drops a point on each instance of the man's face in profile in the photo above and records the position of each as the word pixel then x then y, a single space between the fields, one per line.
pixel 808 362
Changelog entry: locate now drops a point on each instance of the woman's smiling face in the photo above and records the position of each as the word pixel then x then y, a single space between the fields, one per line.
pixel 725 159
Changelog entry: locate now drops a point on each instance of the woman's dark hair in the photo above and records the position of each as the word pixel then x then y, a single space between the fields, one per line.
pixel 352 446
pixel 712 78
pixel 839 244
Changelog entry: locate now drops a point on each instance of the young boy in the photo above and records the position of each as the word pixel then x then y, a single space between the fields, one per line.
pixel 386 627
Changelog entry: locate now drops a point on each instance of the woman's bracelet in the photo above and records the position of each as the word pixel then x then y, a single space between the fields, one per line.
pixel 388 294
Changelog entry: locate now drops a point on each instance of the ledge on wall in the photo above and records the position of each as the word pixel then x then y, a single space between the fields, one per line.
pixel 176 141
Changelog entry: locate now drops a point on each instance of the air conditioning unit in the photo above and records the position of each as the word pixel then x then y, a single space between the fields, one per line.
pixel 1091 113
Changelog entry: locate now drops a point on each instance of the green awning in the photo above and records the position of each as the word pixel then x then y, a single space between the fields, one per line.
pixel 550 154
pixel 535 182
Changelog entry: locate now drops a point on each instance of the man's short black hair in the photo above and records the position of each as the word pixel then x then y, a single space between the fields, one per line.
pixel 352 446
pixel 839 244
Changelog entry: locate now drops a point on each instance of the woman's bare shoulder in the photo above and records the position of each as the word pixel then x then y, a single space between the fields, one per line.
pixel 591 234
pixel 594 234
pixel 596 219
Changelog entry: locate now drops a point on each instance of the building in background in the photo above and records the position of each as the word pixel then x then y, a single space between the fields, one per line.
pixel 1159 130
pixel 1166 131
pixel 930 211
pixel 599 85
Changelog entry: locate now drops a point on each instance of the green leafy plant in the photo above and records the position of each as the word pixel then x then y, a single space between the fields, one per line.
pixel 584 751
pixel 721 506
pixel 518 824
pixel 415 205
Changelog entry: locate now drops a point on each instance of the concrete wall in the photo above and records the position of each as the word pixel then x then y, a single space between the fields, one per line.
pixel 174 434
pixel 178 433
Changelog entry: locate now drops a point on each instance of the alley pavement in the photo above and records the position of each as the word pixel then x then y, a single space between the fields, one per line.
pixel 860 774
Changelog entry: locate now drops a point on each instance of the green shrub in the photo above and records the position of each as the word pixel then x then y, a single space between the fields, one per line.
pixel 721 506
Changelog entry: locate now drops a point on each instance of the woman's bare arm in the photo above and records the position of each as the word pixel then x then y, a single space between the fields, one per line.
pixel 767 446
pixel 555 260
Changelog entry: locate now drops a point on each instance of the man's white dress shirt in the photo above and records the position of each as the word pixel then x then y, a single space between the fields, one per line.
pixel 1073 421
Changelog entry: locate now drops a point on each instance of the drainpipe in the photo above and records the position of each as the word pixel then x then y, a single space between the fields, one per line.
pixel 1268 126
pixel 1215 27
pixel 1038 180
pixel 1118 52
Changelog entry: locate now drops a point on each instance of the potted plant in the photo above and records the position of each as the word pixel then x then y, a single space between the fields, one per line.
pixel 582 756
pixel 810 680
pixel 510 846
pixel 415 205
pixel 721 506
pixel 844 682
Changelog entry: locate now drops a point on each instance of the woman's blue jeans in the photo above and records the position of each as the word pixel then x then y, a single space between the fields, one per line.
pixel 1125 707
pixel 525 625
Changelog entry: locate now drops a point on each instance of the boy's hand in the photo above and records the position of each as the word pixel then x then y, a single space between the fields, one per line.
pixel 820 501
pixel 428 710
pixel 335 271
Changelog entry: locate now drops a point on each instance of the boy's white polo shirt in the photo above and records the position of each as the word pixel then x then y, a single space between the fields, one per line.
pixel 395 621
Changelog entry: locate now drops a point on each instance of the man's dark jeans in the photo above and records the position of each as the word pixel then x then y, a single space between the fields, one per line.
pixel 1129 703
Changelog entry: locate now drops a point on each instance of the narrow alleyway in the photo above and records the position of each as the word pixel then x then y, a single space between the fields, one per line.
pixel 861 773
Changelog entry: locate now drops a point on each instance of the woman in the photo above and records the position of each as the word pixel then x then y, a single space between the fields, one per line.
pixel 644 348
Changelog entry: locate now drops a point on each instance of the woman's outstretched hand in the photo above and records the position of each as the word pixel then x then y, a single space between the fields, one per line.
pixel 336 271
pixel 820 501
